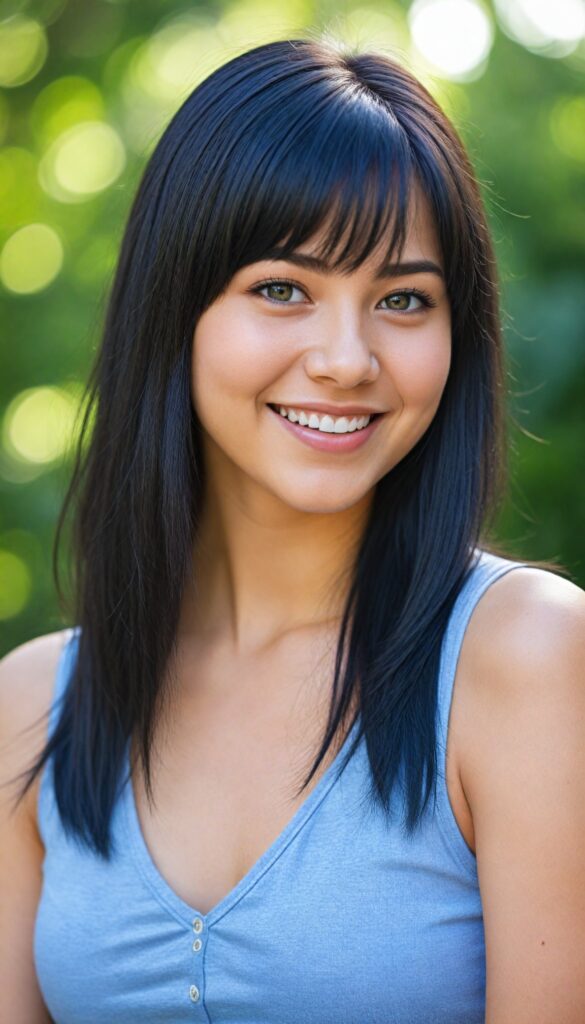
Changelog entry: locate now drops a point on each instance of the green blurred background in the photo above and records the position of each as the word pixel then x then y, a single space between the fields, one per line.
pixel 86 89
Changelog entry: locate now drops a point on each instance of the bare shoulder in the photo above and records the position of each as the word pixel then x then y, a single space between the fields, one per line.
pixel 522 766
pixel 532 612
pixel 524 646
pixel 27 680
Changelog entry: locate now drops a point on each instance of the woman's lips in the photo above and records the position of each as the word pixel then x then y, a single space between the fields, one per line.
pixel 329 442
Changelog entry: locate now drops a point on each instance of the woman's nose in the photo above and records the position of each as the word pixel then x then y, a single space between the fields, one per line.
pixel 342 352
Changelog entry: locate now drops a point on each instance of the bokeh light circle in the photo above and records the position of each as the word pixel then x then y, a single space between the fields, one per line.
pixel 31 259
pixel 455 36
pixel 38 424
pixel 551 29
pixel 23 50
pixel 63 103
pixel 82 161
pixel 567 124
pixel 16 584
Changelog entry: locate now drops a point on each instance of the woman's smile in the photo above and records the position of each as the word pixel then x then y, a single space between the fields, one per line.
pixel 324 438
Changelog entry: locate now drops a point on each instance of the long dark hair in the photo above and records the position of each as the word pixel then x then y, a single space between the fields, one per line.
pixel 278 143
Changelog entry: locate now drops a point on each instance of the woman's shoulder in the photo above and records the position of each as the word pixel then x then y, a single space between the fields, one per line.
pixel 27 676
pixel 522 768
pixel 27 681
pixel 526 619
pixel 522 659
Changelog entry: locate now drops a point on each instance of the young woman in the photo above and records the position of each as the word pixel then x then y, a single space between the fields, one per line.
pixel 315 748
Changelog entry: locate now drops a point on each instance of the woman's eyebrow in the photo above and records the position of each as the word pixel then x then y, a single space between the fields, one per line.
pixel 388 270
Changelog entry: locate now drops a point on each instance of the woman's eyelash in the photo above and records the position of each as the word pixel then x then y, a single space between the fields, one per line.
pixel 418 293
pixel 425 297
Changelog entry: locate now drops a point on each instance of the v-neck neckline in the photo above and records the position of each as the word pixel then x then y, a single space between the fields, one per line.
pixel 172 902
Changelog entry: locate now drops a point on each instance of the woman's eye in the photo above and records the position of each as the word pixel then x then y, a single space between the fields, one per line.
pixel 282 292
pixel 279 291
pixel 403 302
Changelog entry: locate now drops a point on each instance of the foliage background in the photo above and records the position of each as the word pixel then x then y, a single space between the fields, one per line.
pixel 86 90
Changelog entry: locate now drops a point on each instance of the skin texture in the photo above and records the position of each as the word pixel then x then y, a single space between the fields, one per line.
pixel 280 518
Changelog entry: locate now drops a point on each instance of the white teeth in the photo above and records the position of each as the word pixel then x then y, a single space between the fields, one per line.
pixel 326 423
pixel 342 426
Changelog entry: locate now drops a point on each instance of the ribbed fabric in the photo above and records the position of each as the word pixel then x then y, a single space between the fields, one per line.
pixel 343 920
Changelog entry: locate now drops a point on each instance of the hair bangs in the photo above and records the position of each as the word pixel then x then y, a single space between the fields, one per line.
pixel 342 178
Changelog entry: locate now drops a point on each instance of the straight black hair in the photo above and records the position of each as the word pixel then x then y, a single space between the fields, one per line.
pixel 282 141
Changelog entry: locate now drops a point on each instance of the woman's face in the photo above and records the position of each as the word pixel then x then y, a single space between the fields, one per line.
pixel 326 339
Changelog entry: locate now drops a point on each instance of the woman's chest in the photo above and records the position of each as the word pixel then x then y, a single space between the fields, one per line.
pixel 345 920
pixel 225 788
pixel 228 766
pixel 237 748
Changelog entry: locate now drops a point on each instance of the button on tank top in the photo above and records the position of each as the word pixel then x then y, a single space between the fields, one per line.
pixel 343 920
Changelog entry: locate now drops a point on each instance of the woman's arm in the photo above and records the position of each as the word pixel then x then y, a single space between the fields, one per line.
pixel 26 684
pixel 524 776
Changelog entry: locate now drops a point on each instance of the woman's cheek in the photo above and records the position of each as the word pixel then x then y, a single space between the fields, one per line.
pixel 236 356
pixel 421 367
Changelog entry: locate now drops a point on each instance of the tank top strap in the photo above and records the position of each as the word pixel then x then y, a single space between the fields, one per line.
pixel 46 801
pixel 62 675
pixel 486 569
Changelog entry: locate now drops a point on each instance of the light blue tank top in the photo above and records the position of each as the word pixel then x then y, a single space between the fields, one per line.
pixel 343 920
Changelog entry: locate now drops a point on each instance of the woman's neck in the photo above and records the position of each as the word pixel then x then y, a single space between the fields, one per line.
pixel 261 572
